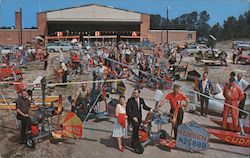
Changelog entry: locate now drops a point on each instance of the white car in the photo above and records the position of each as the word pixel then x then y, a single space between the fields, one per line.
pixel 216 104
pixel 31 50
pixel 194 49
pixel 56 47
pixel 244 45
pixel 6 50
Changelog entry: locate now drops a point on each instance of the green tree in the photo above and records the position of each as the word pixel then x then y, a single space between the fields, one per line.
pixel 191 20
pixel 155 22
pixel 240 27
pixel 185 21
pixel 232 27
pixel 202 24
pixel 229 28
pixel 243 25
pixel 216 31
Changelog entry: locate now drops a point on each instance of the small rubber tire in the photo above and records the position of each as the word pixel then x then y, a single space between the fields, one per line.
pixel 163 134
pixel 30 142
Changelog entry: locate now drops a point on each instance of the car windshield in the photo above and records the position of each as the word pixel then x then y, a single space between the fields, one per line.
pixel 65 44
pixel 52 44
pixel 203 47
pixel 192 47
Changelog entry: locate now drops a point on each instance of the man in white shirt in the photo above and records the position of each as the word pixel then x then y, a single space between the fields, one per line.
pixel 61 58
pixel 235 52
pixel 138 57
pixel 183 52
pixel 244 86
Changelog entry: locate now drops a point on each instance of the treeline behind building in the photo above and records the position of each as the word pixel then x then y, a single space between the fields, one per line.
pixel 232 28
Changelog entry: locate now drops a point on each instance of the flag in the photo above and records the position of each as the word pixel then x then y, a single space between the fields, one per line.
pixel 72 126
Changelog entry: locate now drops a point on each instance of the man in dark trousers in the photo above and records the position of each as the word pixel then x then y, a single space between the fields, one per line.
pixel 134 112
pixel 46 55
pixel 205 87
pixel 23 106
pixel 175 98
pixel 65 72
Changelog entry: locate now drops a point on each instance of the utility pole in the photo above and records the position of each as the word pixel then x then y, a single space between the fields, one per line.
pixel 167 25
pixel 21 26
pixel 161 28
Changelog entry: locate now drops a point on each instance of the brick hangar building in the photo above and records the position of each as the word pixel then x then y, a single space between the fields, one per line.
pixel 93 22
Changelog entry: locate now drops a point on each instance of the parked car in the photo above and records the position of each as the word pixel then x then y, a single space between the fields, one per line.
pixel 56 47
pixel 236 43
pixel 244 45
pixel 31 50
pixel 245 59
pixel 202 40
pixel 87 46
pixel 194 49
pixel 76 46
pixel 6 50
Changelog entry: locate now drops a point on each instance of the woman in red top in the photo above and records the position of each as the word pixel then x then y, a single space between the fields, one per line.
pixel 175 98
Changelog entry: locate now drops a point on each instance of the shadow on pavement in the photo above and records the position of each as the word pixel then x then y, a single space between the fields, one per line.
pixel 212 140
pixel 211 113
pixel 109 142
pixel 70 140
pixel 14 139
pixel 210 126
pixel 229 151
pixel 96 129
pixel 5 129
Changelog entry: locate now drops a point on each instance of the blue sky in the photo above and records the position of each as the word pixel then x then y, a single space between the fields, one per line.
pixel 219 10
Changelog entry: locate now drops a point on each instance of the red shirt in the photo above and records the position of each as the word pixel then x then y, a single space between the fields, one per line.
pixel 176 100
pixel 233 93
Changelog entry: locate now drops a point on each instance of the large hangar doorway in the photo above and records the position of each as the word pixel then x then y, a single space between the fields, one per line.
pixel 108 31
pixel 123 28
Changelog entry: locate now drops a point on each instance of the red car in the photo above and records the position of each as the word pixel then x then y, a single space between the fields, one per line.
pixel 245 59
pixel 9 71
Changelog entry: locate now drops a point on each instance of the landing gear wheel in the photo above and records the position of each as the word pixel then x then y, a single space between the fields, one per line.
pixel 163 134
pixel 138 148
pixel 30 142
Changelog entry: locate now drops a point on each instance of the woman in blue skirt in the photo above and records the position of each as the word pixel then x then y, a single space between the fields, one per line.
pixel 120 127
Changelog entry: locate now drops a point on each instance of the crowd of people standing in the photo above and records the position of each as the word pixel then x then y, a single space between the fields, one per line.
pixel 130 111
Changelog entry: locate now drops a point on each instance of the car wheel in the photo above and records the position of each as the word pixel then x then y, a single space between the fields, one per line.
pixel 52 50
pixel 191 111
pixel 138 148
